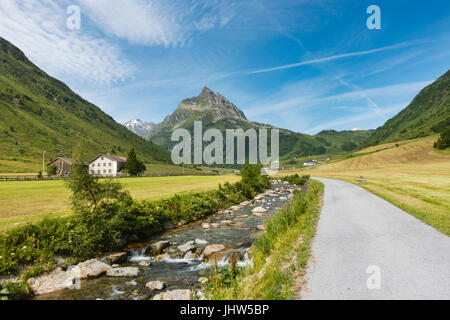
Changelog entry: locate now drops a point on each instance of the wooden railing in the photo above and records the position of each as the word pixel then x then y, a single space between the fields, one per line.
pixel 36 178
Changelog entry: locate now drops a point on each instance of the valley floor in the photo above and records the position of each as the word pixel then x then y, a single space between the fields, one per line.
pixel 411 175
pixel 29 201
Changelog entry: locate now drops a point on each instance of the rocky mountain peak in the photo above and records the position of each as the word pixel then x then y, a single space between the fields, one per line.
pixel 139 127
pixel 206 92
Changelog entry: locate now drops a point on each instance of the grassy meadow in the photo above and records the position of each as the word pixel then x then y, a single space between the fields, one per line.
pixel 29 201
pixel 409 174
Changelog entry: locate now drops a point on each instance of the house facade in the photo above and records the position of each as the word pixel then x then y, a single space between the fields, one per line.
pixel 63 166
pixel 107 165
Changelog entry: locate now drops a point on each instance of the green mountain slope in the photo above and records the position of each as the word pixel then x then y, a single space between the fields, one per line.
pixel 215 111
pixel 38 112
pixel 426 115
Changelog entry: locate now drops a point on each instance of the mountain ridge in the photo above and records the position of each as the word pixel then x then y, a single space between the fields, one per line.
pixel 427 114
pixel 216 111
pixel 40 113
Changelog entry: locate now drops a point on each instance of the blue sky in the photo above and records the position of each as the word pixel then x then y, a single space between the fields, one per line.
pixel 301 65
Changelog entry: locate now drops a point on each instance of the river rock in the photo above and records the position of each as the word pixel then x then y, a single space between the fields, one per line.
pixel 234 208
pixel 134 246
pixel 115 257
pixel 186 247
pixel 178 294
pixel 216 251
pixel 145 263
pixel 215 225
pixel 201 241
pixel 261 227
pixel 257 214
pixel 56 280
pixel 206 225
pixel 226 222
pixel 156 285
pixel 259 210
pixel 123 272
pixel 283 198
pixel 89 269
pixel 157 247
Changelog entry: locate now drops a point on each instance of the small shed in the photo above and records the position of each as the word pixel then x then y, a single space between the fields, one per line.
pixel 63 166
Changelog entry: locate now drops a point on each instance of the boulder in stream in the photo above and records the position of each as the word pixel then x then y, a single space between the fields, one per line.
pixel 156 285
pixel 157 247
pixel 259 210
pixel 216 251
pixel 123 272
pixel 115 257
pixel 206 225
pixel 201 241
pixel 186 246
pixel 89 269
pixel 178 294
pixel 56 280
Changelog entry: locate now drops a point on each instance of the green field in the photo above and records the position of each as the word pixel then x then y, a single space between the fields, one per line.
pixel 28 201
pixel 409 174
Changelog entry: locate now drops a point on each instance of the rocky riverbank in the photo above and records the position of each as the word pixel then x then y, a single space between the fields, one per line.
pixel 226 235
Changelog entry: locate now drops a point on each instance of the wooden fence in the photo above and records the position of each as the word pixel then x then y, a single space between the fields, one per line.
pixel 35 177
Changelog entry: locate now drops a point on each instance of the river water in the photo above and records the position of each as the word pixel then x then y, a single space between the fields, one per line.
pixel 176 270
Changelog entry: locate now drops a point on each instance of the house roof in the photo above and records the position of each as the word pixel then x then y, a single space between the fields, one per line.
pixel 111 157
pixel 67 160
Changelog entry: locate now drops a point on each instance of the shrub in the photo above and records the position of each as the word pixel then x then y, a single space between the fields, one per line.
pixel 444 140
pixel 296 179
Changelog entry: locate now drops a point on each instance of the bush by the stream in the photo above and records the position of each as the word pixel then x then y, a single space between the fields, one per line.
pixel 106 217
pixel 296 179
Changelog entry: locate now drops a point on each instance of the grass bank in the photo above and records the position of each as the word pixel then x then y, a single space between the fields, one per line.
pixel 31 201
pixel 280 254
pixel 409 174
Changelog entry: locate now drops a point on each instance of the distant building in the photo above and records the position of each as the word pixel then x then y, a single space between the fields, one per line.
pixel 309 163
pixel 107 165
pixel 63 166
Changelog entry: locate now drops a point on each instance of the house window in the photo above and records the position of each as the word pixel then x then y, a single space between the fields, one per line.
pixel 93 165
pixel 104 164
pixel 98 164
pixel 102 158
pixel 109 164
pixel 104 170
pixel 98 171
pixel 109 171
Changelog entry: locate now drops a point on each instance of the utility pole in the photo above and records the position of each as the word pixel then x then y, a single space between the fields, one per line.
pixel 43 162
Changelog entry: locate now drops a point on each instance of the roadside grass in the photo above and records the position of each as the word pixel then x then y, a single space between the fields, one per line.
pixel 412 176
pixel 31 201
pixel 280 254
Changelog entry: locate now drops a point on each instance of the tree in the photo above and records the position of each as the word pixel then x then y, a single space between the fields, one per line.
pixel 88 192
pixel 444 140
pixel 134 167
pixel 52 171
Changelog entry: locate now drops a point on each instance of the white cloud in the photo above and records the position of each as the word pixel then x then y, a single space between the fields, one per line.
pixel 39 29
pixel 302 101
pixel 167 23
pixel 334 57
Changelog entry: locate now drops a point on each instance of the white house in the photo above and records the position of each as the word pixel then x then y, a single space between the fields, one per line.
pixel 107 165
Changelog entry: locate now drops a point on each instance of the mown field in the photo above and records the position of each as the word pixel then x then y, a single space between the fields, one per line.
pixel 409 174
pixel 28 201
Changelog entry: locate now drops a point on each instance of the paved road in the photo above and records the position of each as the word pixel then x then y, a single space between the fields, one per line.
pixel 358 229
